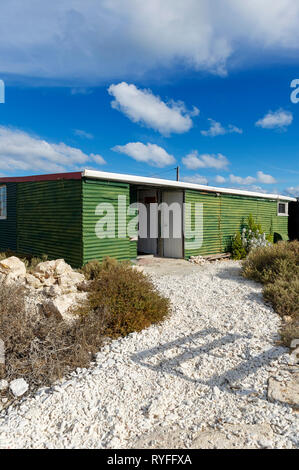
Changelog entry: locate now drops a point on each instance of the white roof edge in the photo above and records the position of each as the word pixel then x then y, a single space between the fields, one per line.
pixel 178 184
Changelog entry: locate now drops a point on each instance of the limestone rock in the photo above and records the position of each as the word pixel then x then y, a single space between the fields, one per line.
pixel 285 392
pixel 45 269
pixel 52 291
pixel 61 267
pixel 231 436
pixel 48 281
pixel 13 266
pixel 70 278
pixel 57 271
pixel 61 306
pixel 32 281
pixel 235 436
pixel 11 280
pixel 18 387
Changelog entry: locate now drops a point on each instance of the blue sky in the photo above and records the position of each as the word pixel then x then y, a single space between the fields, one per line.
pixel 114 89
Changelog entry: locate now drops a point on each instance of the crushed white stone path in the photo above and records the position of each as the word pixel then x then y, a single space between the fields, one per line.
pixel 206 368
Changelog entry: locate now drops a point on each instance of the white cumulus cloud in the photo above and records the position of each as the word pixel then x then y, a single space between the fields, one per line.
pixel 292 191
pixel 216 128
pixel 258 189
pixel 196 179
pixel 242 181
pixel 148 153
pixel 266 179
pixel 249 180
pixel 19 151
pixel 97 159
pixel 87 41
pixel 279 119
pixel 193 161
pixel 220 179
pixel 142 106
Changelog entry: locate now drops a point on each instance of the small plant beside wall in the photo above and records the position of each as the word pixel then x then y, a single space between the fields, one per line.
pixel 238 248
pixel 252 237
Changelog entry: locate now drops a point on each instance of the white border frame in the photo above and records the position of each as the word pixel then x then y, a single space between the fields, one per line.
pixel 286 214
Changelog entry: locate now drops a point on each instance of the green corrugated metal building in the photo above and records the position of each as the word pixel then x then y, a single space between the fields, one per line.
pixel 60 215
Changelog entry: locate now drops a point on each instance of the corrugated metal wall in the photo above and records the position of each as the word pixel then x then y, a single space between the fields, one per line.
pixel 58 218
pixel 280 228
pixel 211 222
pixel 226 214
pixel 133 244
pixel 8 226
pixel 94 193
pixel 268 218
pixel 50 219
pixel 234 213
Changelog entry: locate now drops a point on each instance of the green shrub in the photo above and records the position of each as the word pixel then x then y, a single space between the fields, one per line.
pixel 126 299
pixel 238 249
pixel 252 225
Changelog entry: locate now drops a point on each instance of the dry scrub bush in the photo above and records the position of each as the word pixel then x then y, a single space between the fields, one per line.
pixel 43 349
pixel 283 294
pixel 127 297
pixel 277 267
pixel 289 332
pixel 266 264
pixel 94 268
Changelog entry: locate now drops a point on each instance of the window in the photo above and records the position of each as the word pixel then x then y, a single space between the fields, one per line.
pixel 3 210
pixel 282 208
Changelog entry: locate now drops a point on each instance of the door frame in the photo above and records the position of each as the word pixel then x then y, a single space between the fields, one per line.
pixel 182 191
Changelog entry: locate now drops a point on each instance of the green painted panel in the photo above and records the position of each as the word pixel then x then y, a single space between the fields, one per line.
pixel 227 214
pixel 235 210
pixel 211 222
pixel 50 219
pixel 267 215
pixel 96 192
pixel 133 244
pixel 280 227
pixel 8 226
pixel 234 213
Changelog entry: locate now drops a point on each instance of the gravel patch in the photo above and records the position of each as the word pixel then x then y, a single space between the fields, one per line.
pixel 206 368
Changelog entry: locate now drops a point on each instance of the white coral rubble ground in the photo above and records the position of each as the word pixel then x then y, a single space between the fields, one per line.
pixel 198 380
